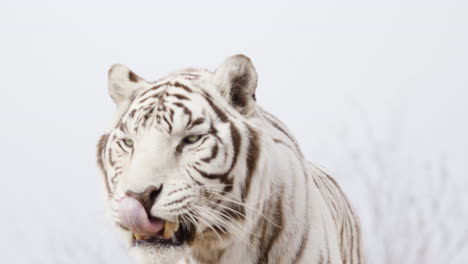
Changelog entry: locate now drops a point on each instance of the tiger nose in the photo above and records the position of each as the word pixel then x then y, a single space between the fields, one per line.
pixel 147 197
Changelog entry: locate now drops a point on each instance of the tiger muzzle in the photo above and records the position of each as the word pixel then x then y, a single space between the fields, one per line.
pixel 148 230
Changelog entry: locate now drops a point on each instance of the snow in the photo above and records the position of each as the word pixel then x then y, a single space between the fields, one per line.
pixel 375 91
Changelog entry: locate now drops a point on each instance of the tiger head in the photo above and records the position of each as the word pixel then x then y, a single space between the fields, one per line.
pixel 179 157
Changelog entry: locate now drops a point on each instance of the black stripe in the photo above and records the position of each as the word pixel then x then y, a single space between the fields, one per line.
pixel 179 190
pixel 168 123
pixel 203 140
pixel 221 115
pixel 191 176
pixel 271 235
pixel 187 111
pixel 120 145
pixel 180 105
pixel 224 177
pixel 123 127
pixel 214 153
pixel 145 119
pixel 305 234
pixel 114 178
pixel 179 85
pixel 279 141
pixel 253 152
pixel 177 201
pixel 149 97
pixel 101 146
pixel 302 247
pixel 154 88
pixel 351 220
pixel 196 122
pixel 171 115
pixel 111 160
pixel 178 96
pixel 278 127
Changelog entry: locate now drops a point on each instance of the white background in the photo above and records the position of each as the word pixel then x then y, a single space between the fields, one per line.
pixel 375 91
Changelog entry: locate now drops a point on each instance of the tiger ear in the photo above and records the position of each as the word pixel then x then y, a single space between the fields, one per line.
pixel 123 84
pixel 236 79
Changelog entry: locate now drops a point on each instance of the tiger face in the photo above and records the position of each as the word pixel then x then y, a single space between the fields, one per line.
pixel 172 161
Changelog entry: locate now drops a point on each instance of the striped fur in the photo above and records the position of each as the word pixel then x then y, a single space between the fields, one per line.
pixel 244 185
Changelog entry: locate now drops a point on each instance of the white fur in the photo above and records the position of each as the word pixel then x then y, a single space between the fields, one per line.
pixel 282 179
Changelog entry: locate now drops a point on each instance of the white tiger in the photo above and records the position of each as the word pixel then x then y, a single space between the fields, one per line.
pixel 197 172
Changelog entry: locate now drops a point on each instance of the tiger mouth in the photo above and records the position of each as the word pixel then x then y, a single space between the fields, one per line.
pixel 172 235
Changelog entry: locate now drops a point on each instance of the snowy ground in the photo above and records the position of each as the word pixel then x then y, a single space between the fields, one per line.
pixel 382 88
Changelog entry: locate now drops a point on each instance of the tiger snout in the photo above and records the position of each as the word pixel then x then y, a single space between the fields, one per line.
pixel 147 197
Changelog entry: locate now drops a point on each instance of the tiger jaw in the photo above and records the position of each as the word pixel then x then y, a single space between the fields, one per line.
pixel 173 234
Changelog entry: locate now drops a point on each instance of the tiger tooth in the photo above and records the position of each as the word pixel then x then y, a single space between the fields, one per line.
pixel 138 237
pixel 169 229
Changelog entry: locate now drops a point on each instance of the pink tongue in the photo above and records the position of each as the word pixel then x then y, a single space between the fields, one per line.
pixel 133 216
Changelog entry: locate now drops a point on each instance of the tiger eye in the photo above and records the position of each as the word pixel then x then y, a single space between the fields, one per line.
pixel 128 142
pixel 192 139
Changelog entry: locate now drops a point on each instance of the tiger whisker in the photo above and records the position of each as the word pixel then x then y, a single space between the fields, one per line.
pixel 228 208
pixel 221 197
pixel 213 218
pixel 197 224
pixel 189 218
pixel 202 218
pixel 223 220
